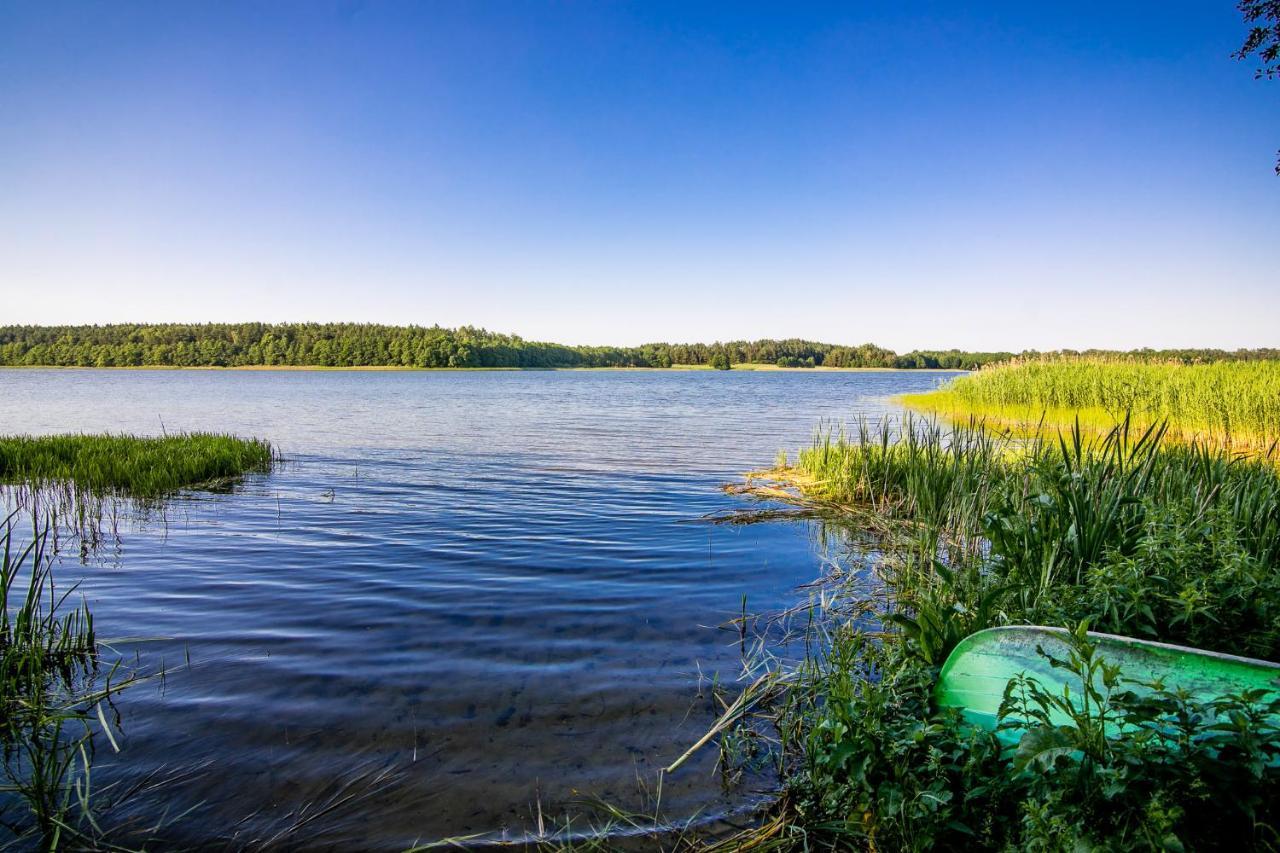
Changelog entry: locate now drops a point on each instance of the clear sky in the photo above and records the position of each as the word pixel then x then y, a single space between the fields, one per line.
pixel 980 175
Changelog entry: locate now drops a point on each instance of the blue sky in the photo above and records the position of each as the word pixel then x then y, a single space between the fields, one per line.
pixel 990 176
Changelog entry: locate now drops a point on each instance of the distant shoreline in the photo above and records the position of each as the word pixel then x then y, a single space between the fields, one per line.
pixel 285 368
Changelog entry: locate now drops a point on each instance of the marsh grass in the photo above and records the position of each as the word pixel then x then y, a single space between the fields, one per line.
pixel 52 696
pixel 1123 531
pixel 40 638
pixel 1138 535
pixel 1234 405
pixel 85 483
pixel 137 466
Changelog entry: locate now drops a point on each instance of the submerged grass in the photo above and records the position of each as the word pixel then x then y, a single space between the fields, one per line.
pixel 55 692
pixel 52 694
pixel 1235 405
pixel 1125 532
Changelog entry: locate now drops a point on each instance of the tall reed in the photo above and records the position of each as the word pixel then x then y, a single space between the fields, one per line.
pixel 84 480
pixel 1122 531
pixel 1137 534
pixel 1236 404
pixel 51 695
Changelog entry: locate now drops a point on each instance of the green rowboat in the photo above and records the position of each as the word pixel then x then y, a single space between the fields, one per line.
pixel 974 676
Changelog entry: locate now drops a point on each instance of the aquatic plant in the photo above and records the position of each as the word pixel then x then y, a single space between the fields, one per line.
pixel 1235 404
pixel 1131 532
pixel 51 697
pixel 136 466
pixel 1124 531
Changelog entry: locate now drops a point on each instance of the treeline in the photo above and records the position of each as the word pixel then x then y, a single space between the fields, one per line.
pixel 366 345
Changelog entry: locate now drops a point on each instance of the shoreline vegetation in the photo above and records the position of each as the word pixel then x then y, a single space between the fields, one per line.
pixel 1234 405
pixel 53 685
pixel 971 527
pixel 138 467
pixel 356 345
pixel 742 367
pixel 56 676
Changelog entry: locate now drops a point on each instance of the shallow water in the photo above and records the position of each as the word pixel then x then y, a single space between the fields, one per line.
pixel 465 597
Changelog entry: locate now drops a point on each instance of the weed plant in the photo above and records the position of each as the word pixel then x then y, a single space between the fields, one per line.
pixel 1136 535
pixel 84 481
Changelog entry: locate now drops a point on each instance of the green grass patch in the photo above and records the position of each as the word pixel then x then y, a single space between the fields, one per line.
pixel 1234 404
pixel 134 466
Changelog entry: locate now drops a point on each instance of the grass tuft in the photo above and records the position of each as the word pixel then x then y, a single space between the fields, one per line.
pixel 134 466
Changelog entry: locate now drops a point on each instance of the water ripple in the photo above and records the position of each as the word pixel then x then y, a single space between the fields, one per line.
pixel 484 582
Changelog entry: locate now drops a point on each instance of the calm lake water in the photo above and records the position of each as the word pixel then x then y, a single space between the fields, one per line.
pixel 464 596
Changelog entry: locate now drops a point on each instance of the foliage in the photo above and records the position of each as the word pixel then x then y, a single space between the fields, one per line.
pixel 1263 40
pixel 1137 536
pixel 1263 18
pixel 1106 767
pixel 365 345
pixel 878 767
pixel 1153 768
pixel 357 345
pixel 720 361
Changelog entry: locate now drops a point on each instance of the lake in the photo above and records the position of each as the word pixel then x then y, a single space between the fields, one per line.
pixel 464 598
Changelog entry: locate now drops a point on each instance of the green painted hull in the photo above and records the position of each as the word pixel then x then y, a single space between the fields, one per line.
pixel 974 676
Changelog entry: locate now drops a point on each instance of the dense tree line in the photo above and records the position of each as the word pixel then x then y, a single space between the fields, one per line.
pixel 365 345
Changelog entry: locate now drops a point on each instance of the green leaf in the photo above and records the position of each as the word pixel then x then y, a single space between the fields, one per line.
pixel 1042 747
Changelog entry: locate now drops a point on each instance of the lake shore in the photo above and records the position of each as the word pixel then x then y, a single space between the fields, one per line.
pixel 971 528
pixel 424 506
pixel 285 368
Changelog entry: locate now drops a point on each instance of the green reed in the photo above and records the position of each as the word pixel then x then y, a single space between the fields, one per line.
pixel 1236 404
pixel 1122 531
pixel 85 480
pixel 40 638
pixel 51 697
pixel 52 689
pixel 137 466
pixel 1137 534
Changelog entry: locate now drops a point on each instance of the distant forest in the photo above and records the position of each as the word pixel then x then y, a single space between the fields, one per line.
pixel 366 345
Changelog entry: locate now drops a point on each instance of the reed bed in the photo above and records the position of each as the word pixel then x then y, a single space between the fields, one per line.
pixel 1191 533
pixel 137 466
pixel 1123 532
pixel 1232 404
